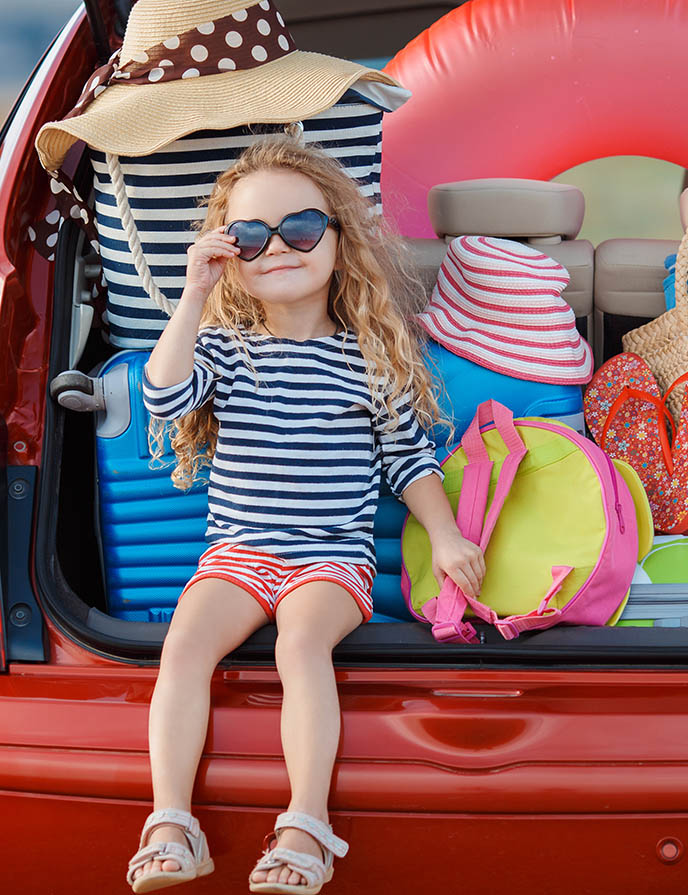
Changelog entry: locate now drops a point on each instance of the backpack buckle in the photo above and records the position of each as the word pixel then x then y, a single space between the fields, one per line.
pixel 450 632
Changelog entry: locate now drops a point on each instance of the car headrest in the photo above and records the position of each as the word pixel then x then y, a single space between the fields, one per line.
pixel 538 211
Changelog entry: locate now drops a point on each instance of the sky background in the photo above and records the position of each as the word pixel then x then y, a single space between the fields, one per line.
pixel 27 28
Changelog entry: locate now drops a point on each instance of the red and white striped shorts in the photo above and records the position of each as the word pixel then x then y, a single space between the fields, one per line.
pixel 269 579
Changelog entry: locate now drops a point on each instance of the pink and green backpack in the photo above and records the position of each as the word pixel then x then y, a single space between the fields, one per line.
pixel 562 527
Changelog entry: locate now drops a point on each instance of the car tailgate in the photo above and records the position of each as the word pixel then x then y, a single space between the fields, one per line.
pixel 557 781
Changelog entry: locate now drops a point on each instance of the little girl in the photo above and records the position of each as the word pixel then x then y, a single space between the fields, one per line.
pixel 302 383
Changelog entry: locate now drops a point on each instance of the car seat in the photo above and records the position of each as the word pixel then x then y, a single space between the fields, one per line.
pixel 629 289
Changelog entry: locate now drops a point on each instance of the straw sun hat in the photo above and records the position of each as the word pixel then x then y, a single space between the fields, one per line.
pixel 190 65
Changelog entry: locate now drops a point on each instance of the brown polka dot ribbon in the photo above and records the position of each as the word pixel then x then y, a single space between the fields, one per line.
pixel 69 205
pixel 243 40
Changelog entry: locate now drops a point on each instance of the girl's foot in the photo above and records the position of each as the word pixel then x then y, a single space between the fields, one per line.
pixel 295 840
pixel 171 833
pixel 173 849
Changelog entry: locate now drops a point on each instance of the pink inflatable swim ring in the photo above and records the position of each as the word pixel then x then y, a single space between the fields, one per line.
pixel 530 88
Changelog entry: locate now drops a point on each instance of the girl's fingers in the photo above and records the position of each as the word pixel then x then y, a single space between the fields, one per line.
pixel 219 240
pixel 214 249
pixel 221 230
pixel 439 577
pixel 466 581
pixel 213 239
pixel 479 574
pixel 474 581
pixel 477 562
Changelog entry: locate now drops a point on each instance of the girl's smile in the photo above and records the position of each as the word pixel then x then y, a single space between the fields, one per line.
pixel 281 267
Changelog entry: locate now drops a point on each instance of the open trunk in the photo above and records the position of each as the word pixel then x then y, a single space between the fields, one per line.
pixel 70 578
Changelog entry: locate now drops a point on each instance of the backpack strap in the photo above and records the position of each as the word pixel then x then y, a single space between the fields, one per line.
pixel 514 625
pixel 446 611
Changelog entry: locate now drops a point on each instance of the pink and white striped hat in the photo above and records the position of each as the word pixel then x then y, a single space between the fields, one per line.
pixel 498 303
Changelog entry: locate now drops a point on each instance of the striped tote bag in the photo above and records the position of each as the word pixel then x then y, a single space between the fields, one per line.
pixel 164 191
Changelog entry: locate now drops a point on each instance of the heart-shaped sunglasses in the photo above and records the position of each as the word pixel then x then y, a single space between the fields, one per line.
pixel 300 230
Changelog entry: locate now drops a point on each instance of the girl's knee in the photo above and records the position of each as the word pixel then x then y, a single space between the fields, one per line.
pixel 301 646
pixel 185 653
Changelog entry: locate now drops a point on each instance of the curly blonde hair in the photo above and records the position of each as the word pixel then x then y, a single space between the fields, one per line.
pixel 374 294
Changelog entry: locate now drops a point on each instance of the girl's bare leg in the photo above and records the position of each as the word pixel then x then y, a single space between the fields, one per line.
pixel 311 620
pixel 212 619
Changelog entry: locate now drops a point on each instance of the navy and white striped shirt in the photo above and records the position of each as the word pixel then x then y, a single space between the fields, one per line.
pixel 300 446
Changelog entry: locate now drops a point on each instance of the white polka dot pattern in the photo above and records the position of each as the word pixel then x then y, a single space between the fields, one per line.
pixel 255 35
pixel 44 234
pixel 199 53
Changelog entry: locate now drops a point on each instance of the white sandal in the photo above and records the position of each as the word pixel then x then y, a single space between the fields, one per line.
pixel 193 862
pixel 312 869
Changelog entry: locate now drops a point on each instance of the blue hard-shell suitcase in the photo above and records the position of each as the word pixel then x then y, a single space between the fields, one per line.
pixel 152 534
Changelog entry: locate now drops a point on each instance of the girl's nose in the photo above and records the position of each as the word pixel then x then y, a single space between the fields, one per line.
pixel 276 245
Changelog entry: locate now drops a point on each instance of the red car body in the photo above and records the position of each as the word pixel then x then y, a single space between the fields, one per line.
pixel 533 768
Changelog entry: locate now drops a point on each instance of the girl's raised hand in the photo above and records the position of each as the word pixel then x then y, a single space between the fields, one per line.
pixel 206 260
